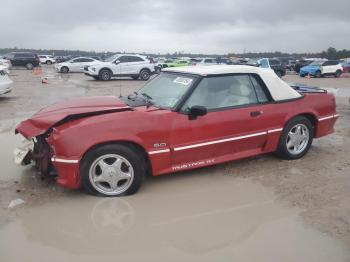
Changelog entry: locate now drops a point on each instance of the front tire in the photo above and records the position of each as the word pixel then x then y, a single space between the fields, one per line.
pixel 145 74
pixel 112 170
pixel 318 74
pixel 48 62
pixel 105 75
pixel 64 70
pixel 296 138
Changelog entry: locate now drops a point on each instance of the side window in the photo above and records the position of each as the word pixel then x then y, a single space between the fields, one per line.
pixel 223 92
pixel 123 59
pixel 208 61
pixel 260 92
pixel 86 60
pixel 327 63
pixel 135 59
pixel 78 60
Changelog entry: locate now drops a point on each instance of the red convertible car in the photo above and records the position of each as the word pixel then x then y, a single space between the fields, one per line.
pixel 185 118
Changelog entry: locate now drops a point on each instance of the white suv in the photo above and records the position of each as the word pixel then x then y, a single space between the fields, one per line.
pixel 47 59
pixel 135 66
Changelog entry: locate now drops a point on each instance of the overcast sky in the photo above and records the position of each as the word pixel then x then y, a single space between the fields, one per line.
pixel 196 26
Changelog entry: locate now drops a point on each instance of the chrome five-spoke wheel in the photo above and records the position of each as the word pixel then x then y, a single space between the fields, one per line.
pixel 111 174
pixel 297 139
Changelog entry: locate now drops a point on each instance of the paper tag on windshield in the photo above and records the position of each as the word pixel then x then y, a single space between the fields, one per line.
pixel 183 81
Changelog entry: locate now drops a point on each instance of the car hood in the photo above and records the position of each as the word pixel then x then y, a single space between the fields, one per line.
pixel 69 110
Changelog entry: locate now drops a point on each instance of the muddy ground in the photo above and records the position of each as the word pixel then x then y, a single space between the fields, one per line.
pixel 257 209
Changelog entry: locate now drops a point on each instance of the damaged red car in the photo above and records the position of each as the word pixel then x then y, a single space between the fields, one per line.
pixel 185 118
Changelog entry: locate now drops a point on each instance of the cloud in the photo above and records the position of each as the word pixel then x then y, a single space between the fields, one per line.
pixel 180 25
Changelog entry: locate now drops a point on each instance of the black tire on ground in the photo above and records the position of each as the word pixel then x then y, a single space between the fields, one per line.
pixel 48 62
pixel 96 77
pixel 318 74
pixel 105 75
pixel 29 66
pixel 145 74
pixel 64 69
pixel 282 150
pixel 337 73
pixel 128 152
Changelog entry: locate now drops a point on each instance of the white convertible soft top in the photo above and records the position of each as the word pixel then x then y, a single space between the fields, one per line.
pixel 279 89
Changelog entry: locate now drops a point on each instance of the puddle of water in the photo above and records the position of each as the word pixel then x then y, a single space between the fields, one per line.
pixel 188 217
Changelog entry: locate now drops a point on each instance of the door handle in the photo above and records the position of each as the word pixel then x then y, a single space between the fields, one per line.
pixel 255 113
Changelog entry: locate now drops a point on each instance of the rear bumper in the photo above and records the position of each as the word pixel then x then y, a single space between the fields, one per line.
pixel 325 125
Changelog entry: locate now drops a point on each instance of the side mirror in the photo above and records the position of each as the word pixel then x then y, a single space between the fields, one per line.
pixel 116 62
pixel 196 111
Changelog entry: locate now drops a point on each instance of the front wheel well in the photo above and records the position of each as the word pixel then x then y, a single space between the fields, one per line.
pixel 137 147
pixel 105 68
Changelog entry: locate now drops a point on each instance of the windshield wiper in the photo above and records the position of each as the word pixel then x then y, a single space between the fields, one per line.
pixel 148 98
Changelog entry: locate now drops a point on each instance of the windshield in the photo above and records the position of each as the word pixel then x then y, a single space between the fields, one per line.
pixel 166 90
pixel 317 63
pixel 111 58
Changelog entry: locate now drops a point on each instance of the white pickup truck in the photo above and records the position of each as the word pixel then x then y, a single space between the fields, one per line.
pixel 119 65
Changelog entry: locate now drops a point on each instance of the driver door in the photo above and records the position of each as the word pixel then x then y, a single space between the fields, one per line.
pixel 120 65
pixel 235 125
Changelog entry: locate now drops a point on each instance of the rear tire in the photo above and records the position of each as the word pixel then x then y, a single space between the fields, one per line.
pixel 133 163
pixel 29 66
pixel 48 62
pixel 105 75
pixel 290 136
pixel 145 74
pixel 337 73
pixel 318 74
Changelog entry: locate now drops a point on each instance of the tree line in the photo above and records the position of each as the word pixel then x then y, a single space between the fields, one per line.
pixel 330 53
